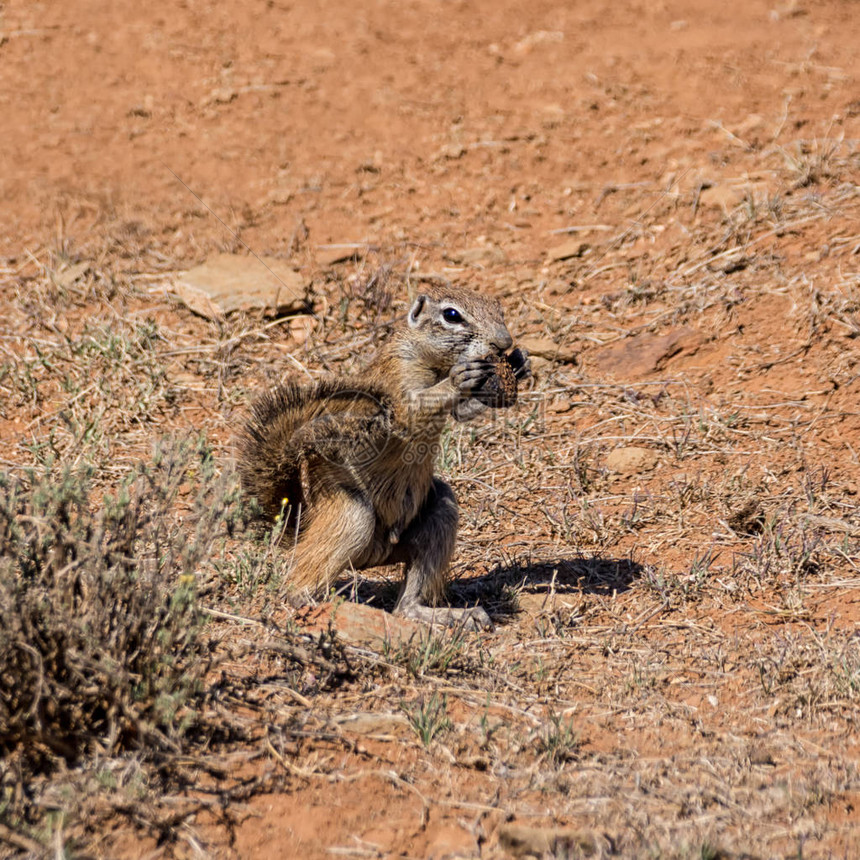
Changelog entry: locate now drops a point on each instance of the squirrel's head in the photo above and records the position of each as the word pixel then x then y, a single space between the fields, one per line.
pixel 457 325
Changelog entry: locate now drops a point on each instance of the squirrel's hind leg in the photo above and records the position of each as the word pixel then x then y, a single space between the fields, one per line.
pixel 426 547
pixel 339 532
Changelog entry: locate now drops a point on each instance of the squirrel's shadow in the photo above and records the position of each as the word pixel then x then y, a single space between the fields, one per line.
pixel 497 589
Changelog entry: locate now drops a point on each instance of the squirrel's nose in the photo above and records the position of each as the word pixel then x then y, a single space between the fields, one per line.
pixel 502 339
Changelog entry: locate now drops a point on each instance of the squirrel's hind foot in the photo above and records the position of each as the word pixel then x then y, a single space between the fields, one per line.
pixel 473 619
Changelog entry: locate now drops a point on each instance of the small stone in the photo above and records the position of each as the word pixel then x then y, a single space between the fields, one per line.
pixel 279 196
pixel 566 250
pixel 330 255
pixel 220 95
pixel 549 349
pixel 728 197
pixel 451 151
pixel 631 460
pixel 74 273
pixel 300 328
pixel 724 197
pixel 368 723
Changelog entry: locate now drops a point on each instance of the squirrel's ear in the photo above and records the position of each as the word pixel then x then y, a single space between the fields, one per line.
pixel 416 309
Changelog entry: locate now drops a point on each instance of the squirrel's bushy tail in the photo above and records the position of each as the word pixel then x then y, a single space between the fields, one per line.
pixel 267 460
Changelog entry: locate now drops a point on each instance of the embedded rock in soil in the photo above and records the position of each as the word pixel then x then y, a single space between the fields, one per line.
pixel 636 357
pixel 227 283
pixel 566 250
pixel 359 625
pixel 551 350
pixel 631 460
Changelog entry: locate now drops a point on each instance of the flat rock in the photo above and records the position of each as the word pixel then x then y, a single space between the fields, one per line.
pixel 360 625
pixel 727 196
pixel 636 357
pixel 227 283
pixel 566 250
pixel 451 151
pixel 331 255
pixel 551 350
pixel 724 197
pixel 73 273
pixel 369 723
pixel 631 460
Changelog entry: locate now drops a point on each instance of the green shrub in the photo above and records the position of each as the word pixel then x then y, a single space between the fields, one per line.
pixel 100 635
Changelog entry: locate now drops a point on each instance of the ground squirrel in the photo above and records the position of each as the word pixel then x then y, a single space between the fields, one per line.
pixel 349 461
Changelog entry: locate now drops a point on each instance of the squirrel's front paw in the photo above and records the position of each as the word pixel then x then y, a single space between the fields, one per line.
pixel 470 376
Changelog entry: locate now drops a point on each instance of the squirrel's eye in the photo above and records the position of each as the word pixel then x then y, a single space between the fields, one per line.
pixel 452 315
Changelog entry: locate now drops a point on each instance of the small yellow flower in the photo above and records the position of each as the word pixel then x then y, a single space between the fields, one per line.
pixel 186 579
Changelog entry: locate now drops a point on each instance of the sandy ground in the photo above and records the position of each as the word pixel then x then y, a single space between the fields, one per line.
pixel 664 195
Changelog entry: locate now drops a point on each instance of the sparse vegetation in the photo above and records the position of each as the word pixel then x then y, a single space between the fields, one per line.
pixel 675 670
pixel 100 642
pixel 558 741
pixel 106 659
pixel 428 717
pixel 431 652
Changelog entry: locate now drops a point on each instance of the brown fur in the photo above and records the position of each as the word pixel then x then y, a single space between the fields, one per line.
pixel 350 461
